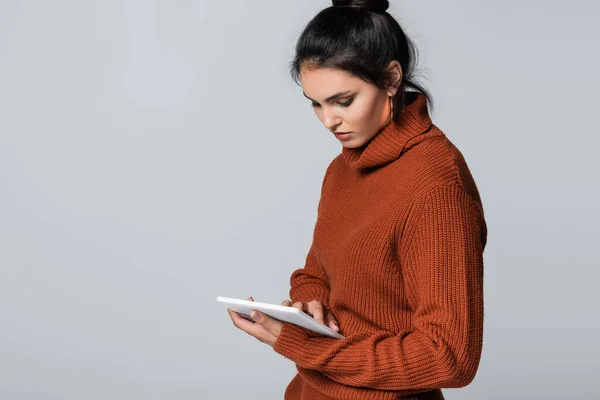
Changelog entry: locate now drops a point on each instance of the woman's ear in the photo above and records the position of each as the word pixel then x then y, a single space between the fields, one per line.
pixel 395 70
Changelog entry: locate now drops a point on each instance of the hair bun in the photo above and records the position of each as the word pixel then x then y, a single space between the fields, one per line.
pixel 378 6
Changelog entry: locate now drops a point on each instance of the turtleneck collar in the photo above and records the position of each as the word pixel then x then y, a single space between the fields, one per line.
pixel 388 144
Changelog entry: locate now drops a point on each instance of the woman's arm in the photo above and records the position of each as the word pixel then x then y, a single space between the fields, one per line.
pixel 311 282
pixel 442 263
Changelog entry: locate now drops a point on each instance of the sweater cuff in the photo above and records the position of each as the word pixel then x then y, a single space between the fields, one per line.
pixel 291 341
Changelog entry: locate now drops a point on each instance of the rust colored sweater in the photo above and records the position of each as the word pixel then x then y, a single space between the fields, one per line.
pixel 397 257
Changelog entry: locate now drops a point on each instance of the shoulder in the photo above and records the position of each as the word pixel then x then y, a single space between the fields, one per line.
pixel 431 160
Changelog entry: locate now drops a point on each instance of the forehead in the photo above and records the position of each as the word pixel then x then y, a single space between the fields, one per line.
pixel 323 82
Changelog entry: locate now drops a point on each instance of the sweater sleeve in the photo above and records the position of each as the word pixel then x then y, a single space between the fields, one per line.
pixel 441 255
pixel 311 282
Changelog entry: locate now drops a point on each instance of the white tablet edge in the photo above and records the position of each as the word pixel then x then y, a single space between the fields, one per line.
pixel 279 308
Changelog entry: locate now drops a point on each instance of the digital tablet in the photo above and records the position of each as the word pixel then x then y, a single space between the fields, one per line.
pixel 281 313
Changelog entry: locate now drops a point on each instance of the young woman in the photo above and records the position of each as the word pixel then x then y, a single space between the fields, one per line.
pixel 396 261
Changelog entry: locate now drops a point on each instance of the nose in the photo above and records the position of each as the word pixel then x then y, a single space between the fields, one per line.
pixel 330 119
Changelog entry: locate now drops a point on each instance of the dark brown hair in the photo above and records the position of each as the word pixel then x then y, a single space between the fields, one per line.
pixel 361 38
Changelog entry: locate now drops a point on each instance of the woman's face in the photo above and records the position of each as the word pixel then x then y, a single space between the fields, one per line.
pixel 359 108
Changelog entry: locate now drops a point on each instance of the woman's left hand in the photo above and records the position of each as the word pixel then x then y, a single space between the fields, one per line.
pixel 265 329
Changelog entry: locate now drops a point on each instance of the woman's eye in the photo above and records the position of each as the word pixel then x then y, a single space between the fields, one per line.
pixel 345 104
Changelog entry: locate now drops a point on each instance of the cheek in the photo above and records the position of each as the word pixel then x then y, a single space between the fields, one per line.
pixel 362 118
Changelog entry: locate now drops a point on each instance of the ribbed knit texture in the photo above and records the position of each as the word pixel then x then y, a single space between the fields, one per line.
pixel 397 257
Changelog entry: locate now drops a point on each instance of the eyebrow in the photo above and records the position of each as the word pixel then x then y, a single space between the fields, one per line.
pixel 335 96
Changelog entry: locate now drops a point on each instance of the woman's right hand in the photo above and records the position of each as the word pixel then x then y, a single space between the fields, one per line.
pixel 316 310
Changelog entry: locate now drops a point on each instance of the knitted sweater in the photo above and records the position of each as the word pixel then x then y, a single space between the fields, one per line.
pixel 397 258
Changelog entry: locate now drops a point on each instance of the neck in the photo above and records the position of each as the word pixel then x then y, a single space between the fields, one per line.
pixel 388 144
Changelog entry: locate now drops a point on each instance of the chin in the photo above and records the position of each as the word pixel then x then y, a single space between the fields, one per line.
pixel 352 144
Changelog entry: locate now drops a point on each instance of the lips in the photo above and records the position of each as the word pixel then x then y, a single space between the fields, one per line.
pixel 342 136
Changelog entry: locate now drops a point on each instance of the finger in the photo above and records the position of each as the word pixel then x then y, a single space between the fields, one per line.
pixel 316 310
pixel 255 329
pixel 238 319
pixel 270 325
pixel 331 322
pixel 306 308
pixel 250 298
pixel 299 305
pixel 286 303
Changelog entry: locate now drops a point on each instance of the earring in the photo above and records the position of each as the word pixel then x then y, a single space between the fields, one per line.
pixel 392 108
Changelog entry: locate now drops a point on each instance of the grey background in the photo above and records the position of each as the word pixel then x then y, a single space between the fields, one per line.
pixel 155 155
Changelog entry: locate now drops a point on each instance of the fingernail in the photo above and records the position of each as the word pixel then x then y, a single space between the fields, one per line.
pixel 254 315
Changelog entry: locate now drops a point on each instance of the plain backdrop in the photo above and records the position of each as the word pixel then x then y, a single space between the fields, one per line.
pixel 156 154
